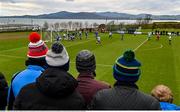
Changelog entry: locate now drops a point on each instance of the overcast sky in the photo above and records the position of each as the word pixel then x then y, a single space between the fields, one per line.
pixel 35 7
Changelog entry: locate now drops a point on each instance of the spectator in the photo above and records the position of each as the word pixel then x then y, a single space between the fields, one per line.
pixel 87 85
pixel 125 94
pixel 55 89
pixel 3 92
pixel 35 63
pixel 165 96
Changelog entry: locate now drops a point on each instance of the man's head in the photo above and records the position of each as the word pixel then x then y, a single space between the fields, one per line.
pixel 58 57
pixel 162 93
pixel 127 68
pixel 85 62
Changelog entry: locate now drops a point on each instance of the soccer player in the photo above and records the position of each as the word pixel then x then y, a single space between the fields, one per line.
pixel 110 34
pixel 122 35
pixel 96 34
pixel 86 34
pixel 80 35
pixel 149 35
pixel 170 39
pixel 58 38
pixel 98 40
pixel 158 36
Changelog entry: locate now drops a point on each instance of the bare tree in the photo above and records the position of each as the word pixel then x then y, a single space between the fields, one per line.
pixel 147 19
pixel 139 21
pixel 45 25
pixel 63 25
pixel 95 25
pixel 121 25
pixel 86 24
pixel 80 25
pixel 56 26
pixel 70 25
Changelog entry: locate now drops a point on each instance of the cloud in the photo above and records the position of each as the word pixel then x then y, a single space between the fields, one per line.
pixel 34 7
pixel 69 0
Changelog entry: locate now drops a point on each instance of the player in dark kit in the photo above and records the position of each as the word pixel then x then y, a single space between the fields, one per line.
pixel 158 36
pixel 86 34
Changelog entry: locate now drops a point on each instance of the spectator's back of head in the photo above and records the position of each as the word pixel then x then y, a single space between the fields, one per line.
pixel 162 93
pixel 37 50
pixel 58 57
pixel 127 68
pixel 37 47
pixel 85 61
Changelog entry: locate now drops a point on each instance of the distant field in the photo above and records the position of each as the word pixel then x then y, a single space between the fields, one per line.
pixel 160 61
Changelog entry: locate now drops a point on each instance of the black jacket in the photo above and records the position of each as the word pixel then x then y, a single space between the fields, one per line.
pixel 124 97
pixel 3 92
pixel 53 90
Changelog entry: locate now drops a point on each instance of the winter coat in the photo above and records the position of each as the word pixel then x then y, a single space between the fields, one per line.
pixel 169 106
pixel 88 86
pixel 3 92
pixel 124 97
pixel 53 90
pixel 21 79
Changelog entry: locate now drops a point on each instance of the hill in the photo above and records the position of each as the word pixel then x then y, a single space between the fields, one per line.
pixel 95 15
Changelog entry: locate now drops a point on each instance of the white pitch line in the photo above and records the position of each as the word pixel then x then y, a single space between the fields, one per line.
pixel 10 56
pixel 14 49
pixel 154 48
pixel 140 45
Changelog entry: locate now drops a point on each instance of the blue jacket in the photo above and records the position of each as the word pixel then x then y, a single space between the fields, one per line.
pixel 21 79
pixel 169 106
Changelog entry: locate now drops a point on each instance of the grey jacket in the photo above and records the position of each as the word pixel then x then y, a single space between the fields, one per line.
pixel 124 97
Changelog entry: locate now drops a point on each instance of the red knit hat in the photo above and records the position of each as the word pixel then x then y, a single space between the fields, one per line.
pixel 37 48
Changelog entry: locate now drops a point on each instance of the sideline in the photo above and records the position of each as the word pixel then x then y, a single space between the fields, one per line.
pixel 140 45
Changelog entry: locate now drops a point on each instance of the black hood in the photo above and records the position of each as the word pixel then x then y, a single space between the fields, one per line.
pixel 57 83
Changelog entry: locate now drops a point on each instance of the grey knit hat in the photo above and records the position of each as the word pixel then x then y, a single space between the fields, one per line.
pixel 85 61
pixel 57 55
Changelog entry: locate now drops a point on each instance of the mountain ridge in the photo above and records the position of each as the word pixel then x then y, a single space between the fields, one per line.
pixel 95 15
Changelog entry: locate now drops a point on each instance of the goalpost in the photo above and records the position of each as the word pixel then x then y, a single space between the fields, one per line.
pixel 50 35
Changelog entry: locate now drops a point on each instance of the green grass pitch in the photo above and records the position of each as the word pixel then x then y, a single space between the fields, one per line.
pixel 160 61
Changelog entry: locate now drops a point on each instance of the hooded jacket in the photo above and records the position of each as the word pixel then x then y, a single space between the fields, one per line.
pixel 53 90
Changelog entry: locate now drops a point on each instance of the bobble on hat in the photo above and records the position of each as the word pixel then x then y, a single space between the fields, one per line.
pixel 129 56
pixel 57 48
pixel 34 37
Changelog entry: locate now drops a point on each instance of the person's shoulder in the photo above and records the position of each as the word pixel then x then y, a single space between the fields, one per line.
pixel 103 84
pixel 146 97
pixel 29 87
pixel 104 93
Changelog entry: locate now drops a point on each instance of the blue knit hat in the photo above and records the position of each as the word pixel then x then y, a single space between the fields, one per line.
pixel 127 68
